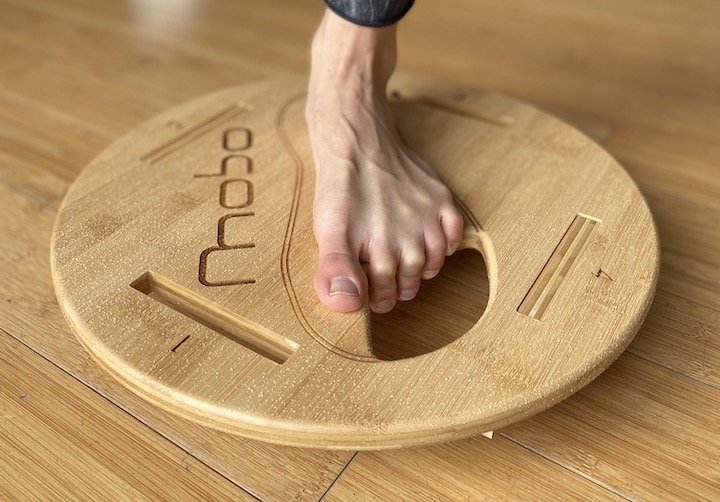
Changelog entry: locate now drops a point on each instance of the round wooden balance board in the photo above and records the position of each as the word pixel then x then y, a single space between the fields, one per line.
pixel 183 257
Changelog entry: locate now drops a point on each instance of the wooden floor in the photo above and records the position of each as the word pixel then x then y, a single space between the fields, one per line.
pixel 640 77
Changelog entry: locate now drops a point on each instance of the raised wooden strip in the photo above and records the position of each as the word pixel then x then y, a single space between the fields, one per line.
pixel 260 340
pixel 457 109
pixel 558 267
pixel 197 130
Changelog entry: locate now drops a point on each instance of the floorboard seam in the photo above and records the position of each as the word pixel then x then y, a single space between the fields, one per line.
pixel 322 497
pixel 127 412
pixel 597 482
pixel 634 352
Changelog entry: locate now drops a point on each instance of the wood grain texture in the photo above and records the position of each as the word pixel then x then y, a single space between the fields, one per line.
pixel 29 311
pixel 49 449
pixel 473 469
pixel 183 259
pixel 623 415
pixel 639 77
pixel 608 432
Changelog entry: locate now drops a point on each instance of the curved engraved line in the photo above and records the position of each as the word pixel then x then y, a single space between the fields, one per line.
pixel 486 249
pixel 284 258
pixel 470 216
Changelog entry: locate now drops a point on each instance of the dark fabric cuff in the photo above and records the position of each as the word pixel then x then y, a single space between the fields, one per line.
pixel 371 13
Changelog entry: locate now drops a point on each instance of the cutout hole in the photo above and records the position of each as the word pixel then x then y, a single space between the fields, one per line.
pixel 446 307
pixel 260 340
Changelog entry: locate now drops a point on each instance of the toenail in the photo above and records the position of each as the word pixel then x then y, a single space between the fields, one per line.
pixel 343 286
pixel 452 247
pixel 408 294
pixel 385 306
pixel 429 274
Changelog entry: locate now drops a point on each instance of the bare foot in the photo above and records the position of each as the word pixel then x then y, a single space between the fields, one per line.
pixel 382 218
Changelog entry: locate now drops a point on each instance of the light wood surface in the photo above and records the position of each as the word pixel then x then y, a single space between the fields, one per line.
pixel 183 258
pixel 30 312
pixel 638 77
pixel 467 470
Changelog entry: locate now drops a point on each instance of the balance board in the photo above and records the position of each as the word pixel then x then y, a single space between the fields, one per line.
pixel 183 258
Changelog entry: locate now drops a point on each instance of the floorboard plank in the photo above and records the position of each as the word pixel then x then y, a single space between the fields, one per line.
pixel 475 469
pixel 639 427
pixel 59 441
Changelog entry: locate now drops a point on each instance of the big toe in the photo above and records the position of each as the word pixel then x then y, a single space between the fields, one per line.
pixel 340 282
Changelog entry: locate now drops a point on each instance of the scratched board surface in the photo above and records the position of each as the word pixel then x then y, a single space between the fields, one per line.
pixel 183 259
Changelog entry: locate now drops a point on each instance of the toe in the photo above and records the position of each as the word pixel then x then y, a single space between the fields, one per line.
pixel 409 271
pixel 452 225
pixel 383 283
pixel 435 249
pixel 340 282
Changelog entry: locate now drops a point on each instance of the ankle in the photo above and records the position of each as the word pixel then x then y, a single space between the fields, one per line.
pixel 350 58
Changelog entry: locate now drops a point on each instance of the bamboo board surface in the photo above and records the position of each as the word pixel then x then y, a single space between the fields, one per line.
pixel 183 258
pixel 639 78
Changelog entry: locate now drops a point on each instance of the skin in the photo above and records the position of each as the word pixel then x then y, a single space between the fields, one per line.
pixel 381 217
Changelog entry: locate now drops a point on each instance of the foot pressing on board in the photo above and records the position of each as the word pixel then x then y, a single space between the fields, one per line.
pixel 382 219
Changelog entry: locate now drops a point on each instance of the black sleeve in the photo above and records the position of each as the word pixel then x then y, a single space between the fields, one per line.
pixel 374 13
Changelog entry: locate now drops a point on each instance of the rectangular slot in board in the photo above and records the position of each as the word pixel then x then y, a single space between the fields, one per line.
pixel 556 269
pixel 251 335
pixel 191 134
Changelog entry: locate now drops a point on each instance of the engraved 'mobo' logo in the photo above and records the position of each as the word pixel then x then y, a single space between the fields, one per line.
pixel 240 165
